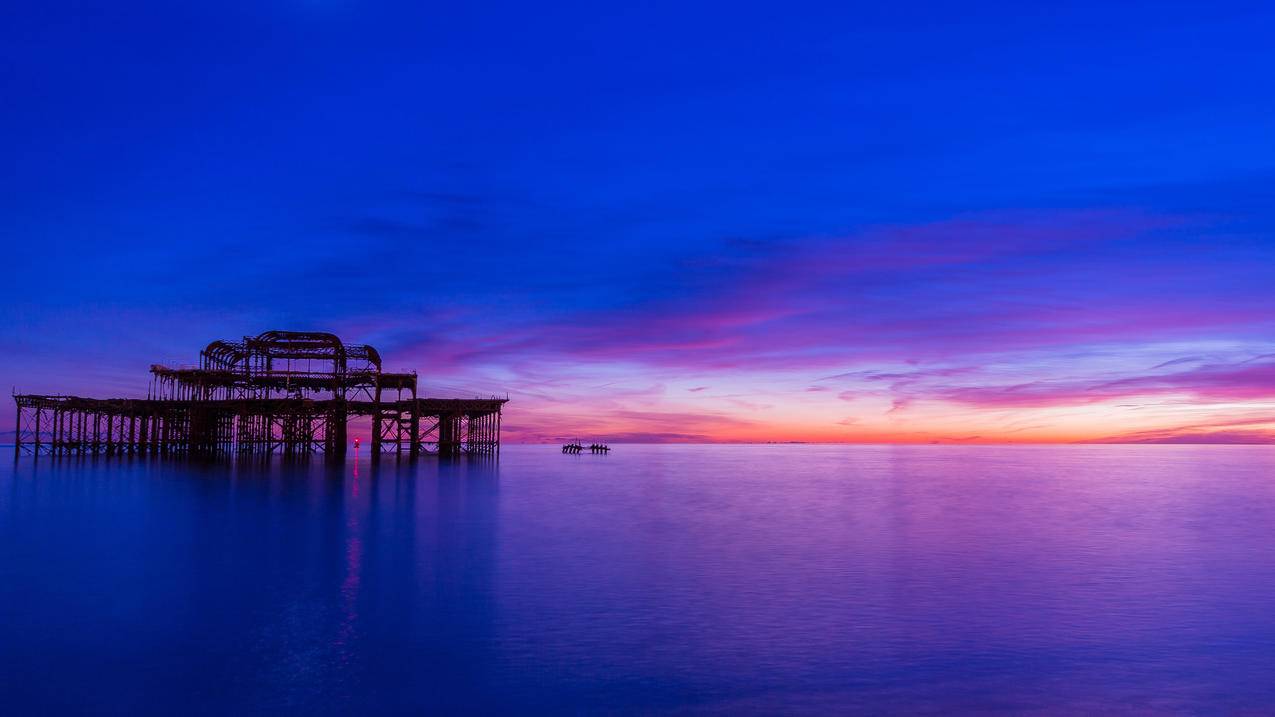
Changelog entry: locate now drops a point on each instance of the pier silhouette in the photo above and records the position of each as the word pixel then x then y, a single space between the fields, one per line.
pixel 279 392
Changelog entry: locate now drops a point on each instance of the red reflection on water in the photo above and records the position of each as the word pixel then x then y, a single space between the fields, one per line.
pixel 353 570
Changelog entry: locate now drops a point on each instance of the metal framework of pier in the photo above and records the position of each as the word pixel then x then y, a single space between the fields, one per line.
pixel 279 392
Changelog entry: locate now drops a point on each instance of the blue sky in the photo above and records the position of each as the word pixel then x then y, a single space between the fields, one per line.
pixel 667 222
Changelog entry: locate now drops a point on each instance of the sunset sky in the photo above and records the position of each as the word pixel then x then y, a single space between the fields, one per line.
pixel 904 222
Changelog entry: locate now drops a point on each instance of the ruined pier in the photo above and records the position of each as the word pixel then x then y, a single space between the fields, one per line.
pixel 279 392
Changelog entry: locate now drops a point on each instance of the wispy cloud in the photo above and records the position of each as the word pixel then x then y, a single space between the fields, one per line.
pixel 1249 379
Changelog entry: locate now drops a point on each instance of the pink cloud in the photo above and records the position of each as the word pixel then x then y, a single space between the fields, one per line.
pixel 940 296
pixel 1246 380
pixel 1194 437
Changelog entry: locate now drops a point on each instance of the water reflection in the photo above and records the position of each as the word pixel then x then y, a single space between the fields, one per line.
pixel 708 579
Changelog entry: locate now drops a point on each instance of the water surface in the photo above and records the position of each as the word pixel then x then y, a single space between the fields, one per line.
pixel 666 579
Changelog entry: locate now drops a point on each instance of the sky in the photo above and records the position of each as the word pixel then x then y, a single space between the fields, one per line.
pixel 911 222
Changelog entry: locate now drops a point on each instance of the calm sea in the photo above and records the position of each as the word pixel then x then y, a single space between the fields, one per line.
pixel 658 579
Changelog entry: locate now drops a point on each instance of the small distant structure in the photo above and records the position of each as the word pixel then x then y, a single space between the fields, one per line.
pixel 284 392
pixel 576 447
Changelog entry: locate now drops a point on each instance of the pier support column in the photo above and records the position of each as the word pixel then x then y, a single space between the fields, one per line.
pixel 336 432
pixel 414 423
pixel 448 438
pixel 376 422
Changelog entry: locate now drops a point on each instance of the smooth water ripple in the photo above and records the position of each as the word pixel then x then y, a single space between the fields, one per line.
pixel 668 579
